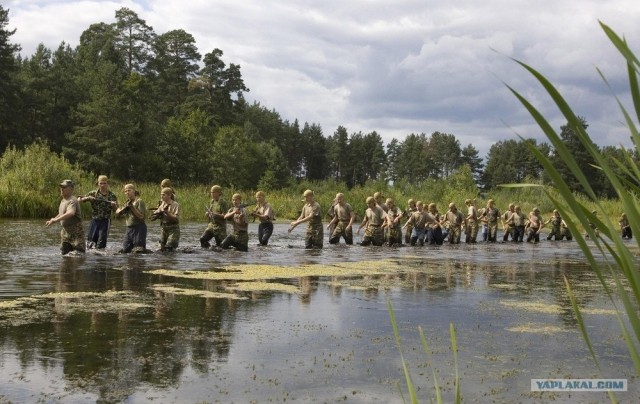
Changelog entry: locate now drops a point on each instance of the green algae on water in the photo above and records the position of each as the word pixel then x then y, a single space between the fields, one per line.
pixel 207 294
pixel 249 272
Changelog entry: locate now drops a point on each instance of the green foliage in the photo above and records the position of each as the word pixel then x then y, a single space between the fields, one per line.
pixel 420 158
pixel 237 159
pixel 616 258
pixel 9 91
pixel 460 186
pixel 29 181
pixel 510 161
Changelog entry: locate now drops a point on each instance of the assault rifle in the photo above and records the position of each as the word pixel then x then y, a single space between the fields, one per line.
pixel 157 213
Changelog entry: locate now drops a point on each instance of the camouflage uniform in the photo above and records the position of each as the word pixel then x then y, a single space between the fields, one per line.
pixel 471 228
pixel 100 217
pixel 315 233
pixel 455 221
pixel 135 238
pixel 417 222
pixel 409 225
pixel 373 233
pixel 434 229
pixel 341 230
pixel 394 232
pixel 72 233
pixel 239 239
pixel 556 228
pixel 492 215
pixel 170 230
pixel 217 227
pixel 509 228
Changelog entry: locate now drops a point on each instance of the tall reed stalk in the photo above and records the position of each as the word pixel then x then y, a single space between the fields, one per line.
pixel 413 396
pixel 615 258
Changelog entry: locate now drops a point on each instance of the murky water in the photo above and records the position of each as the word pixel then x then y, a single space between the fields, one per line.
pixel 111 327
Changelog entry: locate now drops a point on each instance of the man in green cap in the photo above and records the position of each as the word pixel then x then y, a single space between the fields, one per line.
pixel 70 217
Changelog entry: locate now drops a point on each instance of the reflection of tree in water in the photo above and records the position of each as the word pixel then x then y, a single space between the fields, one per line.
pixel 112 353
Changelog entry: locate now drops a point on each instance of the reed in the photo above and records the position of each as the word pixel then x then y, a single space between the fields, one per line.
pixel 29 181
pixel 29 189
pixel 413 397
pixel 617 261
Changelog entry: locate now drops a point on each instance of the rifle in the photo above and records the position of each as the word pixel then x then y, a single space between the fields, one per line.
pixel 244 205
pixel 157 213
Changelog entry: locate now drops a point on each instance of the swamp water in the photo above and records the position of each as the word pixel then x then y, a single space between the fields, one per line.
pixel 281 323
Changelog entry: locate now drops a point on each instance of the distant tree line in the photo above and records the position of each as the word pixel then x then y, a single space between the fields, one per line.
pixel 137 105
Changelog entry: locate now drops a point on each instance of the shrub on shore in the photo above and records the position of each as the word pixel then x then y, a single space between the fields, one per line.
pixel 29 189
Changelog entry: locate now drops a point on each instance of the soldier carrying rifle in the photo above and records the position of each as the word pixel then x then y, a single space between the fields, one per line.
pixel 217 227
pixel 134 210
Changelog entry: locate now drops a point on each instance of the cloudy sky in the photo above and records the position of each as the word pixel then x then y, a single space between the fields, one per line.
pixel 393 66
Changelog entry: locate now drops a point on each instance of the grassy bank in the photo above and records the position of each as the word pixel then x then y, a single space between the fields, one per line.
pixel 29 189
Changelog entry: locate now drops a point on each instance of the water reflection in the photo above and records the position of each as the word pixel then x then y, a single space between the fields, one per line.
pixel 330 340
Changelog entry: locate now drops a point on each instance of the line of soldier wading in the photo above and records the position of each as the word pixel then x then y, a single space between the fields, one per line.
pixel 384 223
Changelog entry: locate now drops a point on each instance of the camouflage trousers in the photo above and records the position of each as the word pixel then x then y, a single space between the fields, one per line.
pixel 72 238
pixel 238 240
pixel 216 232
pixel 471 232
pixel 314 237
pixel 169 236
pixel 373 235
pixel 341 230
pixel 455 232
pixel 492 231
pixel 394 235
pixel 560 233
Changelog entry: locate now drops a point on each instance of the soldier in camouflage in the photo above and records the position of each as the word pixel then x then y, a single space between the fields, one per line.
pixel 394 228
pixel 239 239
pixel 70 217
pixel 312 215
pixel 374 218
pixel 455 219
pixel 490 216
pixel 217 227
pixel 103 204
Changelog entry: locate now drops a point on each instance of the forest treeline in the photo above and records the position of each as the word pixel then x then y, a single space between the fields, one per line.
pixel 140 106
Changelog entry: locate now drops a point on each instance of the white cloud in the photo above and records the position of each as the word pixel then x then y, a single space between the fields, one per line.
pixel 400 67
